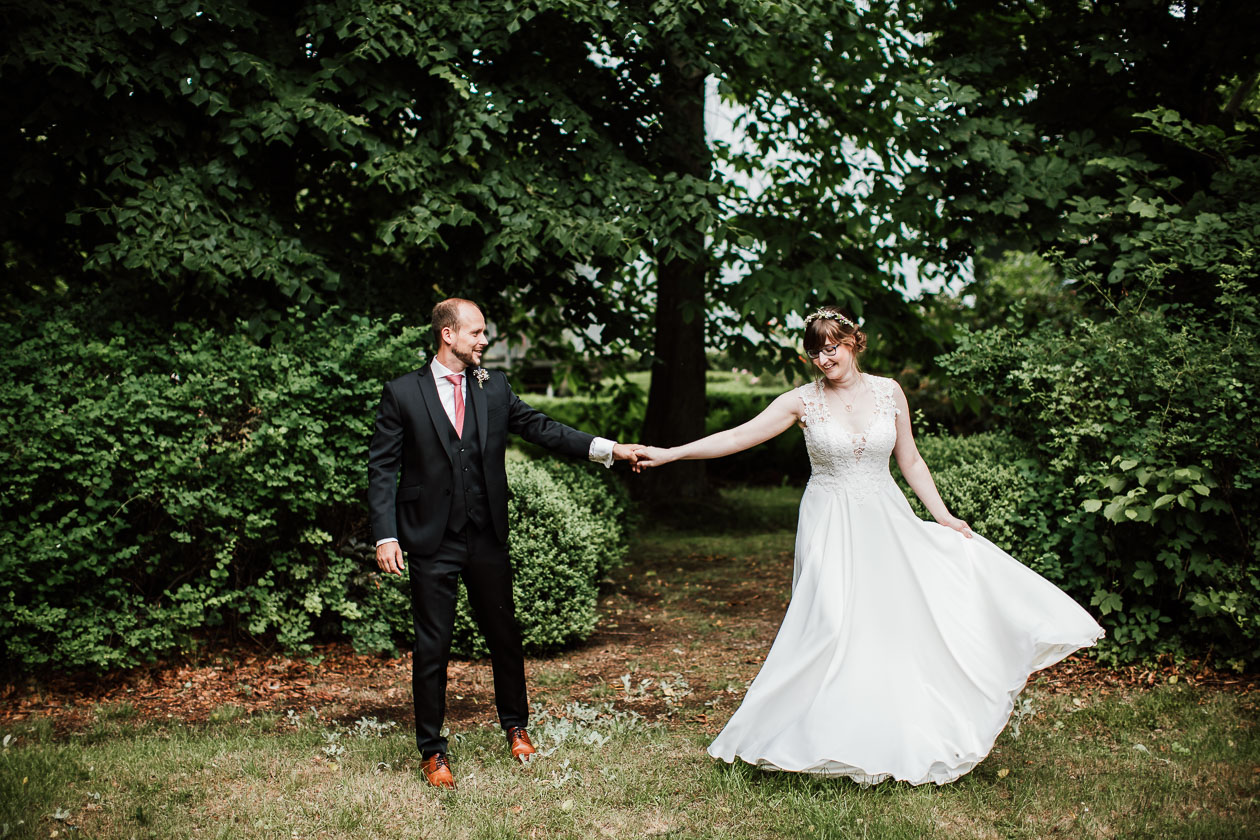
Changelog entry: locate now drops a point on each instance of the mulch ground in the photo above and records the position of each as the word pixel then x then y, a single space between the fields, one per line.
pixel 642 635
pixel 344 685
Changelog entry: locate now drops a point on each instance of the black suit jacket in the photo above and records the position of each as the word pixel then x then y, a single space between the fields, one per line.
pixel 412 436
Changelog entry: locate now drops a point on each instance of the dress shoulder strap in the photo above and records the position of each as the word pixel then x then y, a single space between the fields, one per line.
pixel 815 401
pixel 885 389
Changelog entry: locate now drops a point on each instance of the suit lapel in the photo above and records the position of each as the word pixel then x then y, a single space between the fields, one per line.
pixel 441 423
pixel 478 399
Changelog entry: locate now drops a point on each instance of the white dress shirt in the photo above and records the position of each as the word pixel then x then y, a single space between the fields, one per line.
pixel 601 450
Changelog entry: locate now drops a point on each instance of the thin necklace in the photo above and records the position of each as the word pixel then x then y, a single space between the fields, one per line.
pixel 848 406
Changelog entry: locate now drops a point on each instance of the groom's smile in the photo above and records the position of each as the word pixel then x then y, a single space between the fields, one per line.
pixel 470 339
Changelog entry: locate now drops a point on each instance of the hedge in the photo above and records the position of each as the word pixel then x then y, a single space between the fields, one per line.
pixel 161 491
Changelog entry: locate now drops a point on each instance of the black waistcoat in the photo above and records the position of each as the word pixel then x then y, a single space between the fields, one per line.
pixel 469 502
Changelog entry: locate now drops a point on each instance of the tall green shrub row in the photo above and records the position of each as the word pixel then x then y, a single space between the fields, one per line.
pixel 160 488
pixel 1149 422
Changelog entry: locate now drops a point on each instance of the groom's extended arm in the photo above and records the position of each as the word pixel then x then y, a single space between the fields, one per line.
pixel 537 428
pixel 384 461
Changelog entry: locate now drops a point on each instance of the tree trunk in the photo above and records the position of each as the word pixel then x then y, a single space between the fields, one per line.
pixel 675 408
pixel 676 404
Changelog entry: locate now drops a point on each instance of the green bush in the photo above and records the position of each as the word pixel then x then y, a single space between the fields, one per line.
pixel 993 481
pixel 1150 424
pixel 1141 397
pixel 567 531
pixel 161 489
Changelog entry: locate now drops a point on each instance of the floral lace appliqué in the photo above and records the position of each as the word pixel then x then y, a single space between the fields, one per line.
pixel 843 461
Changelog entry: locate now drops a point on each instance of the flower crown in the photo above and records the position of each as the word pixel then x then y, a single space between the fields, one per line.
pixel 830 315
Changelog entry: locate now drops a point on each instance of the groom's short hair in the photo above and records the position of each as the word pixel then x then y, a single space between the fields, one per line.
pixel 446 314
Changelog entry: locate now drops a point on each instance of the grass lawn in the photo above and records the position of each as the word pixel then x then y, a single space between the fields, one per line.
pixel 623 722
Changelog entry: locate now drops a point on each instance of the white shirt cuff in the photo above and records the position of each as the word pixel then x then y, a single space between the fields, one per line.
pixel 380 543
pixel 602 451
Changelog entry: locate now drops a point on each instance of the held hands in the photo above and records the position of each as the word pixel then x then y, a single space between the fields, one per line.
pixel 651 456
pixel 626 452
pixel 640 456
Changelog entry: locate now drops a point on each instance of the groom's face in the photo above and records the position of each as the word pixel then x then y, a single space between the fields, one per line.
pixel 468 339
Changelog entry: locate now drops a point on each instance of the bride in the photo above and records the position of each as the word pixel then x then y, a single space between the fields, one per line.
pixel 905 642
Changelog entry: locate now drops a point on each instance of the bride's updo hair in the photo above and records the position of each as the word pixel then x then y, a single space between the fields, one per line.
pixel 829 325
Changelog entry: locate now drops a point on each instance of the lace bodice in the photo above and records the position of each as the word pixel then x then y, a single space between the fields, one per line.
pixel 844 461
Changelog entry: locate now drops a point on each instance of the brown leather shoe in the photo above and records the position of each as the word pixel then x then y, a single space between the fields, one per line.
pixel 437 771
pixel 518 741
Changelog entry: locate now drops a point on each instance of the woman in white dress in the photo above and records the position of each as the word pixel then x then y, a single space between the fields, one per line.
pixel 906 642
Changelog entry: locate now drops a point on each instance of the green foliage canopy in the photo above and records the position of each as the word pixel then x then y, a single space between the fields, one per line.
pixel 229 160
pixel 546 158
pixel 1098 134
pixel 235 159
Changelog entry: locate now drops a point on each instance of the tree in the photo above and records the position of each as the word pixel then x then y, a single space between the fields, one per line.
pixel 815 89
pixel 238 160
pixel 233 160
pixel 1050 127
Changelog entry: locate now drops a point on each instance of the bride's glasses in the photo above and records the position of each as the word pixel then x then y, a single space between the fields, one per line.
pixel 825 350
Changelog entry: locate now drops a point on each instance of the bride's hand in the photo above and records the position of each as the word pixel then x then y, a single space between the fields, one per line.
pixel 957 524
pixel 651 456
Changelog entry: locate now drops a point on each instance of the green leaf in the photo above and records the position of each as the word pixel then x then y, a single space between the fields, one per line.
pixel 1107 602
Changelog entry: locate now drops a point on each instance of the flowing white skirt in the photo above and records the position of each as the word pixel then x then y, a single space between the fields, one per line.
pixel 903 649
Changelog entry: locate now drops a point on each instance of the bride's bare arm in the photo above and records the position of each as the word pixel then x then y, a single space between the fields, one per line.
pixel 776 419
pixel 915 469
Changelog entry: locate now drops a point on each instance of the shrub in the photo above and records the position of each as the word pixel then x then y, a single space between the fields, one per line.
pixel 1150 423
pixel 567 532
pixel 993 481
pixel 160 489
pixel 159 485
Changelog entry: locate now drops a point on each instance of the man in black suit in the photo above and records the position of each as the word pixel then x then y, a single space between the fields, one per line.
pixel 448 511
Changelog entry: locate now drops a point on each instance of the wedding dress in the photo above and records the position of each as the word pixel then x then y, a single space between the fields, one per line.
pixel 905 643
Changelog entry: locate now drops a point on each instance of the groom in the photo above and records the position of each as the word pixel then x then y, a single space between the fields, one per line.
pixel 445 427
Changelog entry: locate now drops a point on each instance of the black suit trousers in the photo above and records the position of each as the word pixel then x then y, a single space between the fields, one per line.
pixel 476 555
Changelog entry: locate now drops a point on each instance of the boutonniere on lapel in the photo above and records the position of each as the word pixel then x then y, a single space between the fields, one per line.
pixel 481 375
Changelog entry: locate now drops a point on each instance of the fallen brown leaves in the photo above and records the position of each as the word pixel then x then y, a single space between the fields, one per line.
pixel 638 634
pixel 1079 672
pixel 189 692
pixel 342 684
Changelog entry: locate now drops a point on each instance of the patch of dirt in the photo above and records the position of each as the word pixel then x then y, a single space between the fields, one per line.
pixel 678 640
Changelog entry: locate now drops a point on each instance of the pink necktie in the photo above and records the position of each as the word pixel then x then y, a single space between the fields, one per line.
pixel 459 402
